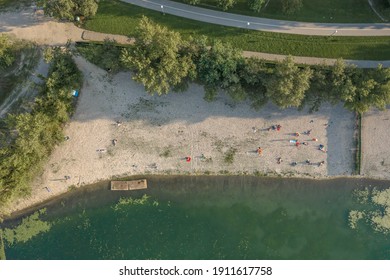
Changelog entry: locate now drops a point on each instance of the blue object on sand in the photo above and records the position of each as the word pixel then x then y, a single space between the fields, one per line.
pixel 75 92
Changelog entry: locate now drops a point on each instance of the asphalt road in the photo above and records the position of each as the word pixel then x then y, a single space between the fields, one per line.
pixel 263 24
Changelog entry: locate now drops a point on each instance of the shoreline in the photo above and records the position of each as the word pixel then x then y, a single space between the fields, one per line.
pixel 119 131
pixel 154 134
pixel 10 217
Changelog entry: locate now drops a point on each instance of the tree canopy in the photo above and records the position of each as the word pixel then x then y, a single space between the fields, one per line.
pixel 31 136
pixel 288 84
pixel 6 55
pixel 226 4
pixel 256 5
pixel 217 68
pixel 69 9
pixel 158 58
pixel 291 6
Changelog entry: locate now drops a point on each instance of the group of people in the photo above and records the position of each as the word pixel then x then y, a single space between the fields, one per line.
pixel 297 144
pixel 275 127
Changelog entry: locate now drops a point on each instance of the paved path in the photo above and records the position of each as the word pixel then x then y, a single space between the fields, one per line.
pixel 316 60
pixel 42 30
pixel 256 23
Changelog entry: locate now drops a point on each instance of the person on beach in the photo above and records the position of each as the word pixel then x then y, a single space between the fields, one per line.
pixel 188 159
pixel 259 151
pixel 278 127
pixel 279 160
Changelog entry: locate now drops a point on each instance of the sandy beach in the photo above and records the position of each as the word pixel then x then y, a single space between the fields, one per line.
pixel 119 130
pixel 375 149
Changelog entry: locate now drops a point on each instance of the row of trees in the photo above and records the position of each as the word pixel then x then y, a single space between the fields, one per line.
pixel 288 6
pixel 27 139
pixel 162 60
pixel 69 9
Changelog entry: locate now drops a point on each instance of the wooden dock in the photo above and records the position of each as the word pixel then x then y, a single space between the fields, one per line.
pixel 129 185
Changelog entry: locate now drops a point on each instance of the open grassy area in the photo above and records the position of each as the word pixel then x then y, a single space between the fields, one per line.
pixel 120 18
pixel 14 3
pixel 312 10
pixel 383 8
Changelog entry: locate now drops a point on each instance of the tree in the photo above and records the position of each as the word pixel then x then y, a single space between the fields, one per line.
pixel 157 58
pixel 291 6
pixel 256 5
pixel 6 56
pixel 361 89
pixel 192 2
pixel 69 9
pixel 62 9
pixel 226 4
pixel 217 68
pixel 86 8
pixel 288 84
pixel 253 74
pixel 320 89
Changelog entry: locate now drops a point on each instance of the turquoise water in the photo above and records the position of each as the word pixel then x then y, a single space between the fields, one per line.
pixel 209 218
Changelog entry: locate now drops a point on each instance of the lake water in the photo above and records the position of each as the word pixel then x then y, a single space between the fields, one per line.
pixel 209 217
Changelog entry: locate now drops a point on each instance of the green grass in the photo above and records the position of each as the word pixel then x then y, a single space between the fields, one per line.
pixel 383 8
pixel 312 10
pixel 13 3
pixel 121 18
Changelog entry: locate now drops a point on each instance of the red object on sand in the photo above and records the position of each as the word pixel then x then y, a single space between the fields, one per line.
pixel 188 159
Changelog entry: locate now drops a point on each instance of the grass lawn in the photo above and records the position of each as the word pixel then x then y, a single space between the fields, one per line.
pixel 312 10
pixel 121 18
pixel 13 3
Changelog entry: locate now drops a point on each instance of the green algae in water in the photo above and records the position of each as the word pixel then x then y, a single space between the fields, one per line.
pixel 212 218
pixel 376 210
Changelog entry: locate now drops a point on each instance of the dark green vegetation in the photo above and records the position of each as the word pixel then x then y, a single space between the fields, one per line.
pixel 106 55
pixel 29 227
pixel 28 138
pixel 161 54
pixel 14 3
pixel 70 9
pixel 358 11
pixel 2 248
pixel 17 58
pixel 120 18
pixel 213 217
pixel 383 8
pixel 162 60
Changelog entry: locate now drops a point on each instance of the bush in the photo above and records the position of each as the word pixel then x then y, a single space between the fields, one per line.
pixel 32 136
pixel 106 55
pixel 6 55
pixel 69 9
